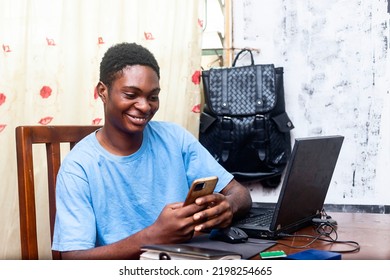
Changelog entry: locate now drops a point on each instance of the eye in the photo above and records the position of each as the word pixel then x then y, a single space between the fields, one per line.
pixel 129 95
pixel 154 97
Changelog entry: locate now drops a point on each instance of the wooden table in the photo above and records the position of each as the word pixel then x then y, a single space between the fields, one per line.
pixel 371 231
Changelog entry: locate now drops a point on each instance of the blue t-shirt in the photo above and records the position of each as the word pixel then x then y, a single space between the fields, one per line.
pixel 102 198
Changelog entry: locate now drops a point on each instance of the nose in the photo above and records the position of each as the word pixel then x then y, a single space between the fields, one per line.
pixel 142 104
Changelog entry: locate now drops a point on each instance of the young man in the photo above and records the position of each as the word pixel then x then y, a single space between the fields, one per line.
pixel 123 186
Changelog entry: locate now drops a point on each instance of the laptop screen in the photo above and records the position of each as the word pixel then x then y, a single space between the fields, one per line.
pixel 307 179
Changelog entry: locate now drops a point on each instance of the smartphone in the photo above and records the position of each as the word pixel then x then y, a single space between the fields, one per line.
pixel 201 187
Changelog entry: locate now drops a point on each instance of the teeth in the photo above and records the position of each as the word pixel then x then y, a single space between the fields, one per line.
pixel 139 119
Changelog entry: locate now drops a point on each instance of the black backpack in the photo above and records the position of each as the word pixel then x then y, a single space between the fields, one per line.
pixel 243 122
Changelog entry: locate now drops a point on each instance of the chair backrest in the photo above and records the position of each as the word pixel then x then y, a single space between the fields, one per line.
pixel 52 136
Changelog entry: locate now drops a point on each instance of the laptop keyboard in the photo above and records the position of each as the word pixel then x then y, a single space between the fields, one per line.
pixel 262 219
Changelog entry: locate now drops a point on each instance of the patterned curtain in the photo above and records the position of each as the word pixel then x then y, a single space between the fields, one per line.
pixel 50 52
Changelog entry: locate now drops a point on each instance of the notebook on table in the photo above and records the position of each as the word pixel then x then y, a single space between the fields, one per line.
pixel 305 184
pixel 185 252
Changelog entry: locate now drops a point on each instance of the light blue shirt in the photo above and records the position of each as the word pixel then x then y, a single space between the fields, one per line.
pixel 102 198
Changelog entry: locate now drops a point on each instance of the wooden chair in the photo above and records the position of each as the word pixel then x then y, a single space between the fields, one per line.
pixel 52 136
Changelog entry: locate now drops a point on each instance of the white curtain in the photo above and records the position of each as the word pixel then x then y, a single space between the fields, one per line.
pixel 49 65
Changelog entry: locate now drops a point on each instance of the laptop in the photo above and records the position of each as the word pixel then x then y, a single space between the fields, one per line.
pixel 305 184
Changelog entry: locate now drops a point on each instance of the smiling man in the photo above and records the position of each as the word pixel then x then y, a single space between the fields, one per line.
pixel 123 186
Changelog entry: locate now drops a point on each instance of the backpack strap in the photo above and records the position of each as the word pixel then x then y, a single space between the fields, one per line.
pixel 260 139
pixel 240 53
pixel 225 90
pixel 226 129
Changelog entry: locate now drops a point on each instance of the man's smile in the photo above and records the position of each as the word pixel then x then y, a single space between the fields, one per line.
pixel 138 120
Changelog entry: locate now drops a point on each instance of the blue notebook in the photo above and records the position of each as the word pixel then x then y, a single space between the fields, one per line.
pixel 313 254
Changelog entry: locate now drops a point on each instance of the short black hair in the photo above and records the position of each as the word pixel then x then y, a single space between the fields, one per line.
pixel 121 55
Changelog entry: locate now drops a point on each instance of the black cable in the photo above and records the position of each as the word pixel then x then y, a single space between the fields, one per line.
pixel 324 230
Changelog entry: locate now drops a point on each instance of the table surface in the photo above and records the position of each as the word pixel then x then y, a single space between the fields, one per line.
pixel 371 231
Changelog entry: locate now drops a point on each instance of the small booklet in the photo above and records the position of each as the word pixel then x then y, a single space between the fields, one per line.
pixel 185 252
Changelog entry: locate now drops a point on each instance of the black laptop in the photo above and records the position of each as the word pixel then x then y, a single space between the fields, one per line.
pixel 305 185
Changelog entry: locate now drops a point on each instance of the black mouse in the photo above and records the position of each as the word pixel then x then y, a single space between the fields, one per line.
pixel 229 235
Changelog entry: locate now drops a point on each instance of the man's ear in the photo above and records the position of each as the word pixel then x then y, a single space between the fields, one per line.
pixel 102 91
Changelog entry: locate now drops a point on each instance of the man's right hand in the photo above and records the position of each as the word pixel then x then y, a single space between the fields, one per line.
pixel 175 224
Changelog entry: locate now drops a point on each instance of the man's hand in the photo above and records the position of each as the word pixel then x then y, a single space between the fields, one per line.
pixel 218 212
pixel 220 208
pixel 175 223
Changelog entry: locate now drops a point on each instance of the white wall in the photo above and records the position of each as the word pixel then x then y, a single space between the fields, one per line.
pixel 335 56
